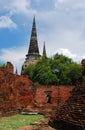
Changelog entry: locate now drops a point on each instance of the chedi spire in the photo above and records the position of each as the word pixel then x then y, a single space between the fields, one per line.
pixel 33 51
pixel 44 50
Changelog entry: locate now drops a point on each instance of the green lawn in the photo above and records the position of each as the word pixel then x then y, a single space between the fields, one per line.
pixel 16 121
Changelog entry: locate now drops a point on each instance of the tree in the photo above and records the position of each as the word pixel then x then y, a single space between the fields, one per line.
pixel 62 58
pixel 43 71
pixel 3 66
pixel 29 71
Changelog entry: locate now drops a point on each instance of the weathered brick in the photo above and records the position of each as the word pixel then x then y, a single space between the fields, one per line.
pixel 15 91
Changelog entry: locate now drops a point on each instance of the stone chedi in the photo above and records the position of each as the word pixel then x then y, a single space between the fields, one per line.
pixel 33 51
pixel 72 114
pixel 44 50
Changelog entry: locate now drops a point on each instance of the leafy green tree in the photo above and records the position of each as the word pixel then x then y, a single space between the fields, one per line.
pixel 44 75
pixel 29 71
pixel 43 72
pixel 3 66
pixel 62 58
pixel 69 70
pixel 74 72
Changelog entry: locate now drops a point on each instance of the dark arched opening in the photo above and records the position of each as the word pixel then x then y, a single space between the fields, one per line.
pixel 48 99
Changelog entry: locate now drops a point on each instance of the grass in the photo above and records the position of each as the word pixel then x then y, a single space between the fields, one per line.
pixel 16 121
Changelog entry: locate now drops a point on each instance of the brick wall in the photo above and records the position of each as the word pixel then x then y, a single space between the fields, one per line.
pixel 18 92
pixel 58 95
pixel 56 92
pixel 9 67
pixel 15 91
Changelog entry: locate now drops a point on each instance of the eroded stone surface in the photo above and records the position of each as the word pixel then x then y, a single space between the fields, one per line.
pixel 72 114
pixel 15 92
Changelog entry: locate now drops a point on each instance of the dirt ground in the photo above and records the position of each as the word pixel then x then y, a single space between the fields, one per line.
pixel 38 125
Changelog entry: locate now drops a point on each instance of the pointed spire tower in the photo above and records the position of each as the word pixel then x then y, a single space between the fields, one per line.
pixel 16 72
pixel 33 51
pixel 44 51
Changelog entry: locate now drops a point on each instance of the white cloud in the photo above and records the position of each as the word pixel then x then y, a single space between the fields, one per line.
pixel 56 2
pixel 72 40
pixel 6 22
pixel 66 52
pixel 71 55
pixel 17 7
pixel 14 7
pixel 75 4
pixel 15 55
pixel 38 1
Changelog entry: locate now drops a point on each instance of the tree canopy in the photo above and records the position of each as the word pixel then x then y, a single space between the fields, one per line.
pixel 53 71
pixel 3 66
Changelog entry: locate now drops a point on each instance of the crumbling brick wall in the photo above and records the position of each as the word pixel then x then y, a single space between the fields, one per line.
pixel 58 95
pixel 9 67
pixel 18 92
pixel 15 91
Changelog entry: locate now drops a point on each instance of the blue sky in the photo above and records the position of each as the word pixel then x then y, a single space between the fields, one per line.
pixel 60 23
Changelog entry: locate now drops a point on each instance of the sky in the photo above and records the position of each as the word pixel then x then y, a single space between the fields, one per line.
pixel 60 23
